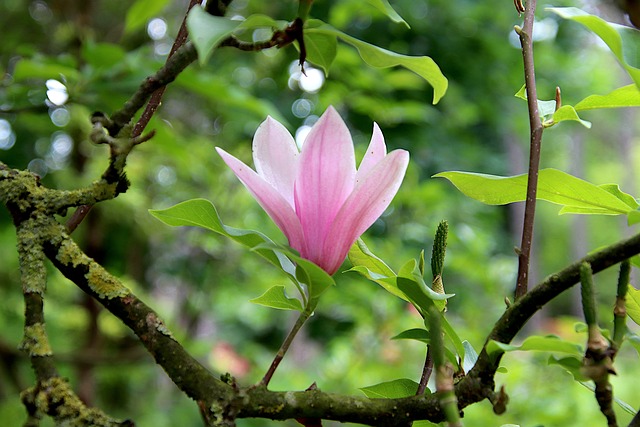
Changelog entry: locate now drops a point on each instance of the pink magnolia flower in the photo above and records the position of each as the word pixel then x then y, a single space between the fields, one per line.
pixel 316 196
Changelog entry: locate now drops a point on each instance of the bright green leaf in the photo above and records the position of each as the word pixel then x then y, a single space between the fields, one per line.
pixel 633 217
pixel 206 31
pixel 553 186
pixel 321 49
pixel 626 96
pixel 141 11
pixel 567 112
pixel 361 255
pixel 633 304
pixel 395 389
pixel 623 41
pixel 378 57
pixel 384 7
pixel 275 297
pixel 545 108
pixel 550 343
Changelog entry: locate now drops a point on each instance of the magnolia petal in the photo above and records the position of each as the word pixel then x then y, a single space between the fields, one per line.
pixel 371 196
pixel 326 175
pixel 270 199
pixel 375 153
pixel 275 156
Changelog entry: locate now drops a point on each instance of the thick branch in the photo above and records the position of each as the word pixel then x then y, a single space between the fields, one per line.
pixel 480 379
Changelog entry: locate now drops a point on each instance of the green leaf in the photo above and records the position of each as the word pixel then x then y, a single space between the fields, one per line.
pixel 102 55
pixel 378 57
pixel 384 7
pixel 570 364
pixel 321 49
pixel 141 11
pixel 261 21
pixel 373 268
pixel 623 41
pixel 206 31
pixel 422 335
pixel 633 217
pixel 417 334
pixel 633 304
pixel 553 186
pixel 202 213
pixel 275 297
pixel 411 270
pixel 550 343
pixel 44 69
pixel 545 108
pixel 626 96
pixel 567 112
pixel 361 255
pixel 316 279
pixel 395 389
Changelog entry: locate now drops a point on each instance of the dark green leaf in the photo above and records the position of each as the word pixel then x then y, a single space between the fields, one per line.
pixel 378 57
pixel 417 334
pixel 395 389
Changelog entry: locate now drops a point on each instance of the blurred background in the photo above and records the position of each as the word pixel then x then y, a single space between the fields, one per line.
pixel 62 60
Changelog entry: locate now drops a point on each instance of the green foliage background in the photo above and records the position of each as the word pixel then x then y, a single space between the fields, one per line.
pixel 201 282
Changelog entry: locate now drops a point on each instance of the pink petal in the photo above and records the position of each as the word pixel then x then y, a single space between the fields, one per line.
pixel 271 201
pixel 275 156
pixel 375 153
pixel 326 177
pixel 371 196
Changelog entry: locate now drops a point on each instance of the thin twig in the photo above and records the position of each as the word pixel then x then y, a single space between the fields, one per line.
pixel 304 316
pixel 536 128
pixel 152 106
pixel 426 372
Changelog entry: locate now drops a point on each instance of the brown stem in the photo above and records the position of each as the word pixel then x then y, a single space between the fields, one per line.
pixel 536 128
pixel 304 316
pixel 152 106
pixel 426 372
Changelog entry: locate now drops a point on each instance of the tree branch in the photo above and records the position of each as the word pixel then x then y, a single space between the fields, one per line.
pixel 31 210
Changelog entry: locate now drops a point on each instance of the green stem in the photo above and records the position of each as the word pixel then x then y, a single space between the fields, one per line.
pixel 444 371
pixel 304 316
pixel 588 299
pixel 620 311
